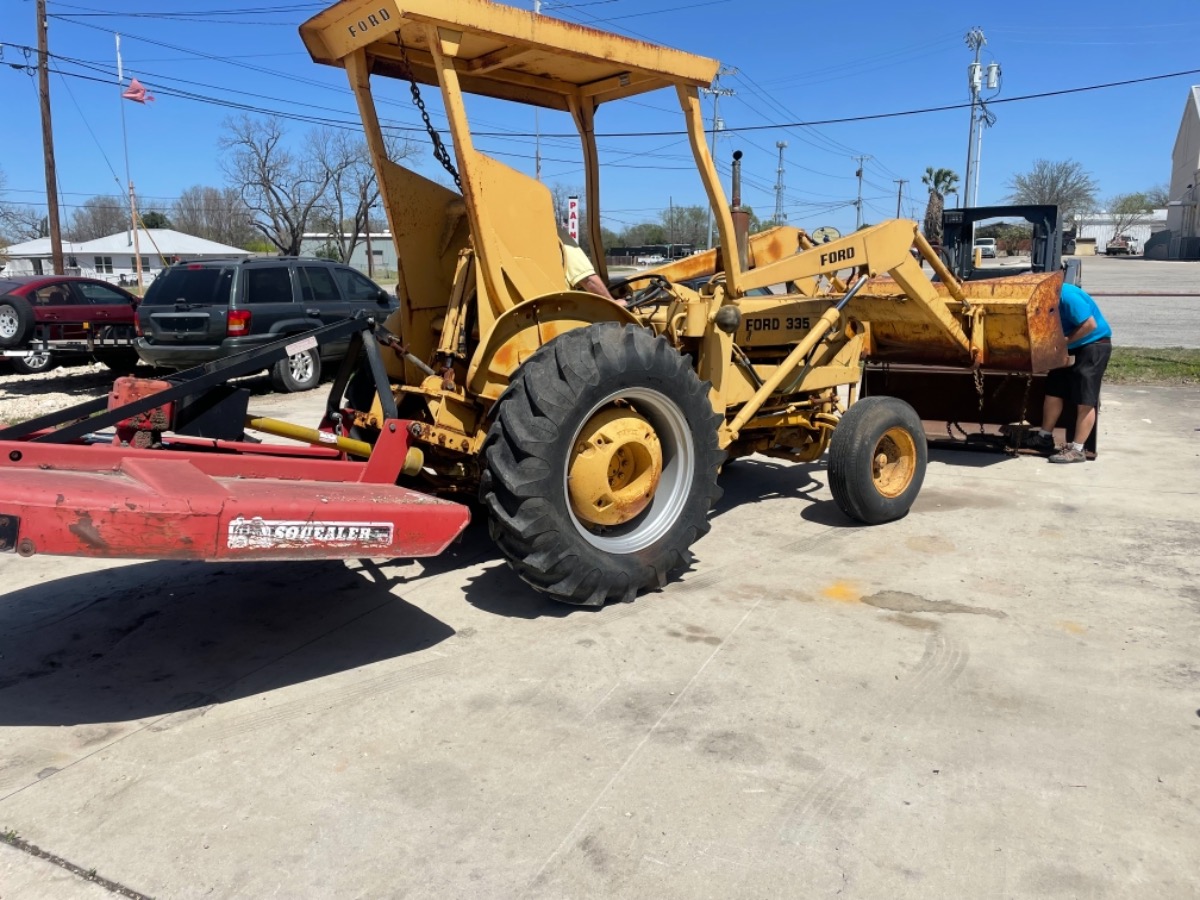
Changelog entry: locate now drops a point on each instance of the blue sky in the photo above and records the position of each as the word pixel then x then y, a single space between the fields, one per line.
pixel 796 62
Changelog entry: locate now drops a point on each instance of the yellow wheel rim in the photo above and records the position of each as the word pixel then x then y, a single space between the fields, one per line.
pixel 615 467
pixel 894 462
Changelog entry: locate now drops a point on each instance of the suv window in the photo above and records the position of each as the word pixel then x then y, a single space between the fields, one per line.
pixel 316 285
pixel 357 288
pixel 268 284
pixel 196 286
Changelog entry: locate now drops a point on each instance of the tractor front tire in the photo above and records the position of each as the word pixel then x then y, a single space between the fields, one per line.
pixel 877 460
pixel 601 465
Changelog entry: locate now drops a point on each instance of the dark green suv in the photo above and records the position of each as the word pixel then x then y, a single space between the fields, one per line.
pixel 196 312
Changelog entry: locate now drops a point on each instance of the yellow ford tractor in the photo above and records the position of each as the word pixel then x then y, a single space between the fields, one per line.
pixel 594 431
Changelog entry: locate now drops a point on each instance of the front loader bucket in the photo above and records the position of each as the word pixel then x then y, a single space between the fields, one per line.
pixel 120 502
pixel 1016 331
pixel 1013 321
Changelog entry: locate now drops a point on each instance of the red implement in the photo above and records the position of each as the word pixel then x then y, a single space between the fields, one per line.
pixel 121 502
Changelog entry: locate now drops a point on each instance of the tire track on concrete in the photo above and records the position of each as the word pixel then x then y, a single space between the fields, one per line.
pixel 942 662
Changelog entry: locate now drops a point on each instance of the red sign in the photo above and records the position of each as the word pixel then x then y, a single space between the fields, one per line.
pixel 573 217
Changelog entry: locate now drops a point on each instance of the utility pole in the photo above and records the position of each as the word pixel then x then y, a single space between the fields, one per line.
pixel 370 255
pixel 537 120
pixel 717 93
pixel 981 116
pixel 900 193
pixel 780 215
pixel 859 174
pixel 56 253
pixel 975 40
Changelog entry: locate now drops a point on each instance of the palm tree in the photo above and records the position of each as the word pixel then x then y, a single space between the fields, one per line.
pixel 940 182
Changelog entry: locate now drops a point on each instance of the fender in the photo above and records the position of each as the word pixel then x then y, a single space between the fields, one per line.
pixel 520 331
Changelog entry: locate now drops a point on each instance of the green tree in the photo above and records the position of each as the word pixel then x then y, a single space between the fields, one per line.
pixel 685 225
pixel 939 182
pixel 1062 183
pixel 155 219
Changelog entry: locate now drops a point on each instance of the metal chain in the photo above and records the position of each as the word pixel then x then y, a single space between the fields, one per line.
pixel 978 372
pixel 440 153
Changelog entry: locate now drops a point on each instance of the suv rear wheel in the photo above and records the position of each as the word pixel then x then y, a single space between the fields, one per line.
pixel 301 372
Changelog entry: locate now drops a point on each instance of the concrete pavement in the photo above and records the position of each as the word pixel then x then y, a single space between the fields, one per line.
pixel 996 696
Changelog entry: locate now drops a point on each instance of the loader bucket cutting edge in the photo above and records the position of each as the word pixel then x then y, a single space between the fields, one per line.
pixel 114 502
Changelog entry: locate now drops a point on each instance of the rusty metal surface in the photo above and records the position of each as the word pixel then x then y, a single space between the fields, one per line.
pixel 950 395
pixel 765 247
pixel 1022 331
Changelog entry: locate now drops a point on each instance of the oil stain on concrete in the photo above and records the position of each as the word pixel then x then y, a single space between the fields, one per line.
pixel 903 602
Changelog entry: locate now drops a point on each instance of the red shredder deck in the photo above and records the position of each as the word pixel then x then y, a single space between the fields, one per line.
pixel 104 501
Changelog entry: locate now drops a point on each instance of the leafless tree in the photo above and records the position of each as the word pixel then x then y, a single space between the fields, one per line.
pixel 1158 196
pixel 1128 210
pixel 353 188
pixel 281 189
pixel 1063 183
pixel 99 217
pixel 19 222
pixel 215 214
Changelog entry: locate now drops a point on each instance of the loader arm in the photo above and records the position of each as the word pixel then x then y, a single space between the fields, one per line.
pixel 878 250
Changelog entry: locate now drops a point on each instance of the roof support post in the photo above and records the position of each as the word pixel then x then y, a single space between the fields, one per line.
pixel 583 111
pixel 358 71
pixel 689 101
pixel 444 45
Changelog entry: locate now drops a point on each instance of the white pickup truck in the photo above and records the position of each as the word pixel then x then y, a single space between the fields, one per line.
pixel 987 247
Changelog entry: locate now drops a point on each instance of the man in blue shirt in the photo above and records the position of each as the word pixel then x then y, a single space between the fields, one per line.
pixel 1089 340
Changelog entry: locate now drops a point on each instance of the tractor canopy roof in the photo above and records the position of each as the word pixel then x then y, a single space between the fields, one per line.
pixel 502 51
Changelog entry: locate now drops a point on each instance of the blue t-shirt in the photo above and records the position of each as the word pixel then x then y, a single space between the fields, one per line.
pixel 1075 307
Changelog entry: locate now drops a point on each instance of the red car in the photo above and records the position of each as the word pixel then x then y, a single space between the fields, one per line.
pixel 65 314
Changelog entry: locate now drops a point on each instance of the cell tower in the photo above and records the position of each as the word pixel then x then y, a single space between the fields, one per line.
pixel 780 215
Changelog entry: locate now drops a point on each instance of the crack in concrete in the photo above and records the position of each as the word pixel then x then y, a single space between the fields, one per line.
pixel 17 843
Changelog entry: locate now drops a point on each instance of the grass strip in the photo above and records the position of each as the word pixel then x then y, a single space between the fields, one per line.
pixel 1147 365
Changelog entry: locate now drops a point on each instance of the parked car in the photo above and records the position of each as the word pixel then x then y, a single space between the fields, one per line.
pixel 70 311
pixel 987 247
pixel 196 312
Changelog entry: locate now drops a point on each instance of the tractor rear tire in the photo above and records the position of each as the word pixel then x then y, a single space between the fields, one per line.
pixel 877 460
pixel 620 411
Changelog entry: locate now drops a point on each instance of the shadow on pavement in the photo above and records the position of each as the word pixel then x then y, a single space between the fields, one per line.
pixel 755 479
pixel 150 639
pixel 498 590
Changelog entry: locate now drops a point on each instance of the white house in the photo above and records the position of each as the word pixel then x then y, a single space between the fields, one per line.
pixel 1183 211
pixel 112 258
pixel 383 266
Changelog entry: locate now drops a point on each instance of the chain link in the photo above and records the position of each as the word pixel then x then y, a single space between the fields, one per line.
pixel 440 153
pixel 978 373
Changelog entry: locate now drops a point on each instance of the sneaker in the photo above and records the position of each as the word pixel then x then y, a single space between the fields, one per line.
pixel 1068 454
pixel 1035 440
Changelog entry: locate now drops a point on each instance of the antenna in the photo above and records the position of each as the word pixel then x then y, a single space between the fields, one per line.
pixel 780 215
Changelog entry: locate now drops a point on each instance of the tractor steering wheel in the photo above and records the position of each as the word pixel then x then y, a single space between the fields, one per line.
pixel 657 288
